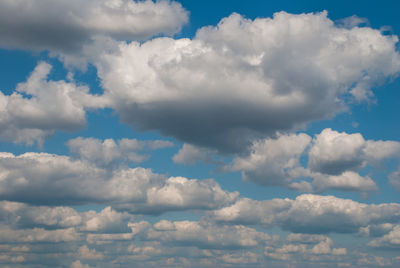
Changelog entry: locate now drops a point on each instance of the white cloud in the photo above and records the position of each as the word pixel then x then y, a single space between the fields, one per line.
pixel 334 152
pixel 84 253
pixel 190 155
pixel 41 178
pixel 347 181
pixel 34 235
pixel 390 240
pixel 333 161
pixel 78 264
pixel 39 107
pixel 106 221
pixel 66 25
pixel 20 216
pixel 271 160
pixel 310 244
pixel 309 214
pixel 207 235
pixel 179 193
pixel 227 90
pixel 109 151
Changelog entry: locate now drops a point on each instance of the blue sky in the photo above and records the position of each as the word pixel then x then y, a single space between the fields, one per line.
pixel 199 133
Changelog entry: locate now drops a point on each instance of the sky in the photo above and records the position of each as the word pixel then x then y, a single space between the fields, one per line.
pixel 199 133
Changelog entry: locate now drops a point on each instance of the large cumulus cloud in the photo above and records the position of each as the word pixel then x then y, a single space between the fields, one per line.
pixel 246 78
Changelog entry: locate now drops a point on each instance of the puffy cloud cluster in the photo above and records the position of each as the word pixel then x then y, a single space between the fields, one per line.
pixel 306 247
pixel 206 235
pixel 389 240
pixel 245 78
pixel 271 160
pixel 190 155
pixel 40 178
pixel 109 151
pixel 23 216
pixel 97 236
pixel 334 152
pixel 309 214
pixel 333 161
pixel 67 25
pixel 39 107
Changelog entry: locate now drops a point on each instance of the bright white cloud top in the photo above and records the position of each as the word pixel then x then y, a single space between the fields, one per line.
pixel 141 137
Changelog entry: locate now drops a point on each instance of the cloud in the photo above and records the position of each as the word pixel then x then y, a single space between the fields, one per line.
pixel 390 240
pixel 190 155
pixel 330 160
pixel 23 216
pixel 347 181
pixel 78 264
pixel 109 151
pixel 245 79
pixel 312 247
pixel 309 214
pixel 206 235
pixel 179 193
pixel 40 178
pixel 85 253
pixel 335 152
pixel 8 235
pixel 67 25
pixel 394 180
pixel 271 160
pixel 38 107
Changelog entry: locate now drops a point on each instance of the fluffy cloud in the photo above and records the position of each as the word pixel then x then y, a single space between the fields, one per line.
pixel 309 248
pixel 244 79
pixel 22 216
pixel 85 253
pixel 271 160
pixel 78 264
pixel 65 26
pixel 190 155
pixel 390 240
pixel 42 178
pixel 331 160
pixel 334 152
pixel 206 235
pixel 110 152
pixel 310 214
pixel 179 193
pixel 8 235
pixel 39 107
